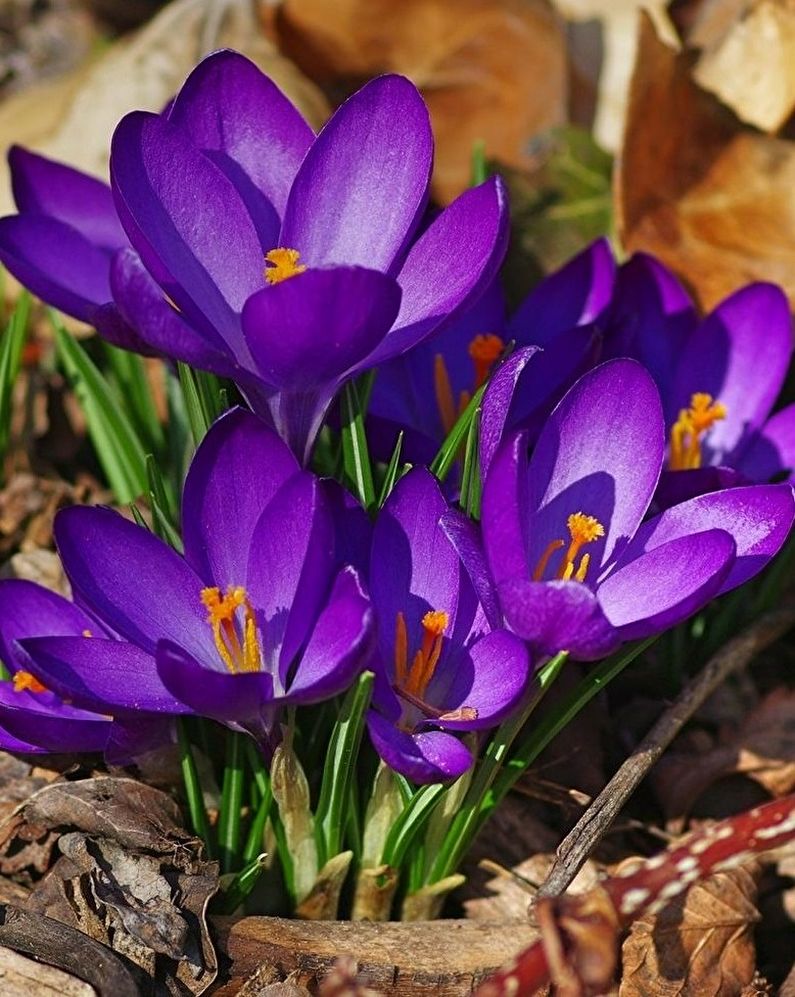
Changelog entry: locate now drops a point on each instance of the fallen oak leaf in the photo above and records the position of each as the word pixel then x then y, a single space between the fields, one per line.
pixel 578 947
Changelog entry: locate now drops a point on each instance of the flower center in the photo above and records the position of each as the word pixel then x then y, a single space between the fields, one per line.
pixel 688 429
pixel 234 628
pixel 24 681
pixel 582 530
pixel 484 350
pixel 283 263
pixel 414 679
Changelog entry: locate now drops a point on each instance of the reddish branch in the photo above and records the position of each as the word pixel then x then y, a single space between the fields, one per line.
pixel 578 948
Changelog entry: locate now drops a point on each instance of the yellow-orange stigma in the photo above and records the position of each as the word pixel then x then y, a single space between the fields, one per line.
pixel 415 678
pixel 687 431
pixel 238 655
pixel 283 263
pixel 582 530
pixel 485 350
pixel 24 681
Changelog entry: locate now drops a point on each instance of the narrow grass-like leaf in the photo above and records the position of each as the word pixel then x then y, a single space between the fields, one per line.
pixel 231 802
pixel 162 503
pixel 470 475
pixel 115 440
pixel 340 768
pixel 410 823
pixel 356 467
pixel 391 475
pixel 480 170
pixel 193 789
pixel 132 382
pixel 204 399
pixel 11 347
pixel 242 884
pixel 450 449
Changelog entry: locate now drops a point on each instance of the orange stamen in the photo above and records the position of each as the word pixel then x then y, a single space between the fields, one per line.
pixel 284 264
pixel 237 655
pixel 416 679
pixel 689 428
pixel 485 350
pixel 582 530
pixel 24 681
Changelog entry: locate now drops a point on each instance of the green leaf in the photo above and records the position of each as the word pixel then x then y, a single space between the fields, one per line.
pixel 340 768
pixel 449 451
pixel 357 470
pixel 410 823
pixel 471 487
pixel 163 505
pixel 10 359
pixel 132 383
pixel 204 399
pixel 392 476
pixel 231 801
pixel 116 442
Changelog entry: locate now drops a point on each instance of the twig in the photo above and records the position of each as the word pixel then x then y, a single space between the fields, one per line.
pixel 595 821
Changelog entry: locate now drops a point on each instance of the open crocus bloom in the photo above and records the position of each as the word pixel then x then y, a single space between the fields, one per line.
pixel 425 390
pixel 255 615
pixel 285 261
pixel 719 378
pixel 440 667
pixel 33 718
pixel 576 568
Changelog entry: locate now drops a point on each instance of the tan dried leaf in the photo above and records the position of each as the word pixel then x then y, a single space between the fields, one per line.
pixel 490 70
pixel 699 945
pixel 751 65
pixel 708 195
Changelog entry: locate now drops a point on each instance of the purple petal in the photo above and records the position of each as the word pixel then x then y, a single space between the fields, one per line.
pixel 651 318
pixel 497 403
pixel 558 616
pixel 15 744
pixel 153 319
pixel 490 678
pixel 56 263
pixel 44 187
pixel 58 727
pixel 506 511
pixel 96 674
pixel 237 469
pixel 130 578
pixel 414 568
pixel 679 486
pixel 338 646
pixel 116 330
pixel 217 694
pixel 136 735
pixel 449 266
pixel 428 756
pixel 309 330
pixel 772 450
pixel 739 355
pixel 668 584
pixel 600 453
pixel 573 295
pixel 242 121
pixel 758 517
pixel 30 610
pixel 463 534
pixel 290 568
pixel 353 529
pixel 362 187
pixel 188 223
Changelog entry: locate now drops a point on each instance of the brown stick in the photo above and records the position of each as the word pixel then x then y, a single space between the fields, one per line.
pixel 596 820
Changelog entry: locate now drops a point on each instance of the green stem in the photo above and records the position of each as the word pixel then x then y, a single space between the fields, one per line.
pixel 231 802
pixel 193 790
pixel 465 824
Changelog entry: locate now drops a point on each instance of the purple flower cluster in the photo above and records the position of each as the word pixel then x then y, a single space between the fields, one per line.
pixel 632 471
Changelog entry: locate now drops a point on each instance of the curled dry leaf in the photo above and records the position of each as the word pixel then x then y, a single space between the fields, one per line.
pixel 699 945
pixel 762 749
pixel 709 195
pixel 490 70
pixel 128 874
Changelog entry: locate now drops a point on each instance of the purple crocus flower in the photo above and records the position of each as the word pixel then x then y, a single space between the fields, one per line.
pixel 257 613
pixel 285 261
pixel 575 565
pixel 719 378
pixel 61 243
pixel 440 668
pixel 425 390
pixel 33 718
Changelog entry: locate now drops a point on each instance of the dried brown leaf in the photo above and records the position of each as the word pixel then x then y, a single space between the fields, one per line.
pixel 707 194
pixel 128 875
pixel 699 945
pixel 490 70
pixel 762 749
